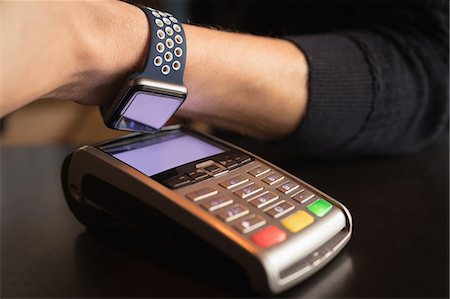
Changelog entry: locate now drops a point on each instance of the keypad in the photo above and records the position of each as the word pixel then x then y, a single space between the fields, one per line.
pixel 263 205
pixel 206 169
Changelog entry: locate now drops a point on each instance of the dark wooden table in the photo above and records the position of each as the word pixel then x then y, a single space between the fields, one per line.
pixel 399 248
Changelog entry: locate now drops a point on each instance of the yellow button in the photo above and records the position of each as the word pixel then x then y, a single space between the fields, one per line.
pixel 298 221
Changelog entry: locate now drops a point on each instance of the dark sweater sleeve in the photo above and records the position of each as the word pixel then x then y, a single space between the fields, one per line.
pixel 380 88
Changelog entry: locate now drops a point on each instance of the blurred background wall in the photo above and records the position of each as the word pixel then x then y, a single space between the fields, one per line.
pixel 46 122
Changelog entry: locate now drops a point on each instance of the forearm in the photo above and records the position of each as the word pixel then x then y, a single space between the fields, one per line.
pixel 254 85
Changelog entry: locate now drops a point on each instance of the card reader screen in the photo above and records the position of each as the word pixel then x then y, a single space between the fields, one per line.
pixel 156 155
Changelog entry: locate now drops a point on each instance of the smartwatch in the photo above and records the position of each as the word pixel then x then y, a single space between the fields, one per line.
pixel 149 98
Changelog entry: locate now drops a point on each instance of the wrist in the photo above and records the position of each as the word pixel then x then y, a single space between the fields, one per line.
pixel 123 42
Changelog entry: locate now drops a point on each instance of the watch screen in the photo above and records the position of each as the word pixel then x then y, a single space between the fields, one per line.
pixel 164 152
pixel 147 111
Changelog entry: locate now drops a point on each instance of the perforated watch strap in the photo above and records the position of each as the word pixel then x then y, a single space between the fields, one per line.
pixel 167 50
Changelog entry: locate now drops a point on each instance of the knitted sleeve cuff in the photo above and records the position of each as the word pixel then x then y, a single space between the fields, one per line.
pixel 340 94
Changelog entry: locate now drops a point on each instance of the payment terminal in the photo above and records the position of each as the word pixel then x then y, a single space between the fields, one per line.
pixel 277 227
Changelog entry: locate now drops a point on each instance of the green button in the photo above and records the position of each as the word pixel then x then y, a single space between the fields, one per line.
pixel 321 207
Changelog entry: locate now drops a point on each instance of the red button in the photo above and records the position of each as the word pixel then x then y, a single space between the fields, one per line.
pixel 269 236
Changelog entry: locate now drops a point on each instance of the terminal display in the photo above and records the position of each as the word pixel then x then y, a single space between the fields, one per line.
pixel 160 154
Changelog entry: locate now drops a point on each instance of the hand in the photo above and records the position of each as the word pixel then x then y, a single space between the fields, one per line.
pixel 80 50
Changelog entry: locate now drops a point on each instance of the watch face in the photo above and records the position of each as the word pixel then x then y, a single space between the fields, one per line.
pixel 146 111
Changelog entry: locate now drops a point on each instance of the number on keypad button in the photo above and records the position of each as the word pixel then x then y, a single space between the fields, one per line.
pixel 258 171
pixel 264 199
pixel 287 187
pixel 273 178
pixel 250 223
pixel 232 213
pixel 234 181
pixel 280 209
pixel 303 196
pixel 248 191
pixel 215 203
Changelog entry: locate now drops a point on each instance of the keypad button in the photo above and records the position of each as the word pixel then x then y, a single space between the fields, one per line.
pixel 242 158
pixel 178 181
pixel 269 236
pixel 198 175
pixel 229 163
pixel 215 203
pixel 201 193
pixel 280 209
pixel 248 190
pixel 213 168
pixel 259 171
pixel 234 181
pixel 264 199
pixel 320 207
pixel 273 178
pixel 288 187
pixel 303 196
pixel 250 223
pixel 232 213
pixel 297 221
